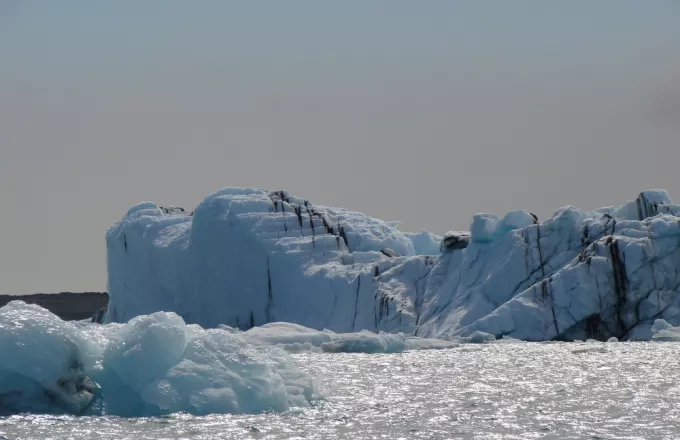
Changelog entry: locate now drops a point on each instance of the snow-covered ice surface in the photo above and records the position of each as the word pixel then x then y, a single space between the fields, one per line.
pixel 247 257
pixel 152 365
pixel 509 390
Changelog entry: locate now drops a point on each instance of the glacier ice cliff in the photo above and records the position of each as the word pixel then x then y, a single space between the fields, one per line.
pixel 247 257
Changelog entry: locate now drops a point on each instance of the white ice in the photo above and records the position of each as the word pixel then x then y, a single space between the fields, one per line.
pixel 247 257
pixel 296 338
pixel 663 331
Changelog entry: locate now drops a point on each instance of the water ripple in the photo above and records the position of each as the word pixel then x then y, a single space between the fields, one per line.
pixel 509 391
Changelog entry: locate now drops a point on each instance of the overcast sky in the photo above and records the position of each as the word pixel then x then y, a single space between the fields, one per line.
pixel 421 111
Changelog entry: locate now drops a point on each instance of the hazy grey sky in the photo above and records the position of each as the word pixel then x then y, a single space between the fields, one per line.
pixel 420 111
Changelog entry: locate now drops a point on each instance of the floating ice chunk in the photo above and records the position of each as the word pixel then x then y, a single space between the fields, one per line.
pixel 663 331
pixel 590 347
pixel 366 342
pixel 285 333
pixel 41 362
pixel 660 325
pixel 296 338
pixel 152 365
pixel 476 337
pixel 508 340
pixel 414 343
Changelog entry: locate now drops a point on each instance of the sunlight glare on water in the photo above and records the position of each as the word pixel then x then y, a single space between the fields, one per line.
pixel 499 390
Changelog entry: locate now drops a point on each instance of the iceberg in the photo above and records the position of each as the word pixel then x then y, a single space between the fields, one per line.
pixel 296 338
pixel 578 275
pixel 663 331
pixel 154 364
pixel 249 257
pixel 246 257
pixel 41 366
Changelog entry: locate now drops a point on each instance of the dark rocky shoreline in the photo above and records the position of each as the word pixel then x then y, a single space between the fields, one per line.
pixel 68 306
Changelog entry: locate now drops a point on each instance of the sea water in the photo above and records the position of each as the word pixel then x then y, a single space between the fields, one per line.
pixel 495 390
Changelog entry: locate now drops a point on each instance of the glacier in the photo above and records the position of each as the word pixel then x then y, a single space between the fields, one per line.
pixel 248 257
pixel 152 365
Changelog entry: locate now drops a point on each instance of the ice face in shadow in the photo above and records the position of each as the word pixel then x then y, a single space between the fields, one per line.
pixel 247 257
pixel 152 365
